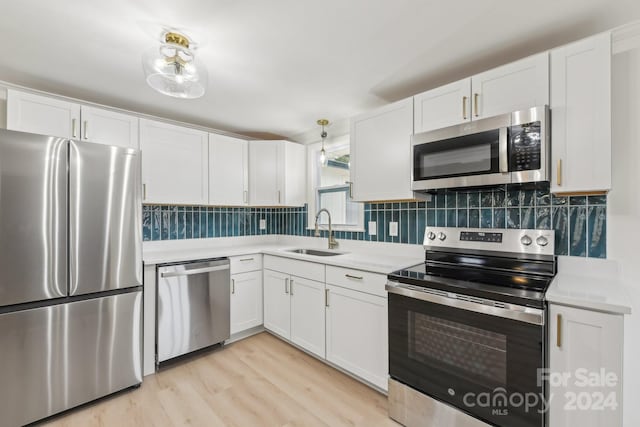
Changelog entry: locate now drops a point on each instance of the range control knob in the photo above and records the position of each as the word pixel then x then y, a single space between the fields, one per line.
pixel 442 236
pixel 431 235
pixel 526 240
pixel 542 241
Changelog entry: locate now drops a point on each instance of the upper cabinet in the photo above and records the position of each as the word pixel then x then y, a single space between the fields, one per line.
pixel 277 173
pixel 381 153
pixel 108 127
pixel 27 112
pixel 516 86
pixel 228 170
pixel 174 164
pixel 581 115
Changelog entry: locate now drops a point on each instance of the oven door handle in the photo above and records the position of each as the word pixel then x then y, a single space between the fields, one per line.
pixel 503 152
pixel 508 311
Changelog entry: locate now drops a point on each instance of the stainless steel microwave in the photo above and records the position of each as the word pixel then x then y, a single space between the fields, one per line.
pixel 505 149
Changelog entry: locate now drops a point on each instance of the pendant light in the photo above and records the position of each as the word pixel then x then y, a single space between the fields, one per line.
pixel 323 154
pixel 172 68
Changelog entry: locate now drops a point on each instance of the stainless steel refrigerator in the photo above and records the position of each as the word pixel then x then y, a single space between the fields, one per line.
pixel 70 274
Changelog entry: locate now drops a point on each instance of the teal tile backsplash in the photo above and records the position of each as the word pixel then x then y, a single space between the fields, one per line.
pixel 580 223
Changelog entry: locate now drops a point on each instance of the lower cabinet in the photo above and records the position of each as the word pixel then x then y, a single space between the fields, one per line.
pixel 277 303
pixel 585 361
pixel 356 337
pixel 246 301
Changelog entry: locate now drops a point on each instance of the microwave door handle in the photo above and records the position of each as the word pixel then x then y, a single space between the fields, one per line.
pixel 503 155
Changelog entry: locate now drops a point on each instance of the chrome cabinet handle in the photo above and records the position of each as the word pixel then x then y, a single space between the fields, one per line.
pixel 464 107
pixel 246 259
pixel 475 103
pixel 233 286
pixel 286 286
pixel 144 191
pixel 559 330
pixel 559 173
pixel 244 196
pixel 84 129
pixel 73 128
pixel 326 297
pixel 290 286
pixel 353 277
pixel 350 189
pixel 278 196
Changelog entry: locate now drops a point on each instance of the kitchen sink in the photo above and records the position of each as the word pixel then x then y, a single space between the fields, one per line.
pixel 314 252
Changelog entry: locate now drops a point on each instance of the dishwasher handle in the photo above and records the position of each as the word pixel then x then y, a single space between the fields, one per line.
pixel 194 271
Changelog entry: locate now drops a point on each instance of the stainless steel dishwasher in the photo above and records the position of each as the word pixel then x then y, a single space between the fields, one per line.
pixel 192 307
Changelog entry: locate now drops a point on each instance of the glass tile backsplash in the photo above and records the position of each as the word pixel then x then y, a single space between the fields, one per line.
pixel 580 222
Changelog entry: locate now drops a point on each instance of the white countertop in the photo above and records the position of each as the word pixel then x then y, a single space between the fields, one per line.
pixel 591 284
pixel 354 256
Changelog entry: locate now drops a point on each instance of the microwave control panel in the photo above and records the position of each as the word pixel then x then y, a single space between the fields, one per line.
pixel 525 147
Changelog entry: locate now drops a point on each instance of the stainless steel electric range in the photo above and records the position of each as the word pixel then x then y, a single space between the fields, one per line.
pixel 467 329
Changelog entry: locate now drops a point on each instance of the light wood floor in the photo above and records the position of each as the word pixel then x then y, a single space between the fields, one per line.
pixel 260 381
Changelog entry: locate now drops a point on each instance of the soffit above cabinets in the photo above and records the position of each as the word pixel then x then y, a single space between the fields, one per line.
pixel 274 67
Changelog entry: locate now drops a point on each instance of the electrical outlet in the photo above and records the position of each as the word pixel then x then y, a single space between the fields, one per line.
pixel 263 224
pixel 373 228
pixel 393 229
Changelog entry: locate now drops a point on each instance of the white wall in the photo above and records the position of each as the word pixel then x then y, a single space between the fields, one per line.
pixel 3 108
pixel 624 211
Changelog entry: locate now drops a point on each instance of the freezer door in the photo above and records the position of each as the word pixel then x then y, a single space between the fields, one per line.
pixel 57 357
pixel 33 217
pixel 105 218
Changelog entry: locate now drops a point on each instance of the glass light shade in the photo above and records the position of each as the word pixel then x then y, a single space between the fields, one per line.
pixel 323 158
pixel 173 70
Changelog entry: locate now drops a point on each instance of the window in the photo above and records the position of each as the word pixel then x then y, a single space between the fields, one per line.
pixel 331 187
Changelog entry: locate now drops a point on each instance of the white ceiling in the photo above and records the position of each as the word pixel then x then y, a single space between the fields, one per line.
pixel 277 66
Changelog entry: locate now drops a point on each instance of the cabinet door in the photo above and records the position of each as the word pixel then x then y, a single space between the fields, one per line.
pixel 443 106
pixel 585 343
pixel 228 170
pixel 513 87
pixel 277 308
pixel 381 153
pixel 295 174
pixel 27 112
pixel 581 115
pixel 357 338
pixel 108 127
pixel 307 314
pixel 264 173
pixel 174 164
pixel 246 301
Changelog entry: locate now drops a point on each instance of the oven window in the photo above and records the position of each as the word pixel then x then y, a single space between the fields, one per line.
pixel 475 154
pixel 478 354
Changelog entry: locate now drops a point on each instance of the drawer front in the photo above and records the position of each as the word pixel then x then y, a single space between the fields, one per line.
pixel 358 280
pixel 294 267
pixel 245 263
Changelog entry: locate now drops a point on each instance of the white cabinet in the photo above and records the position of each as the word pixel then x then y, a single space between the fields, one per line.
pixel 174 164
pixel 228 170
pixel 109 127
pixel 357 338
pixel 277 303
pixel 246 301
pixel 585 344
pixel 307 314
pixel 27 112
pixel 581 115
pixel 381 153
pixel 277 173
pixel 516 86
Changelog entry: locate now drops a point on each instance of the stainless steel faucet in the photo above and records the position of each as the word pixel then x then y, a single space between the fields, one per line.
pixel 332 242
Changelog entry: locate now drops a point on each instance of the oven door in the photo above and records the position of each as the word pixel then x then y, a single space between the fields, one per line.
pixel 467 155
pixel 468 355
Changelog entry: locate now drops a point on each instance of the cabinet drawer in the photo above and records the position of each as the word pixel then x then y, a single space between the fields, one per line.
pixel 358 280
pixel 244 263
pixel 306 269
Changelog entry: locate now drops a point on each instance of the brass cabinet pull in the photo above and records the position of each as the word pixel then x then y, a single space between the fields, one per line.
pixel 286 286
pixel 475 103
pixel 85 126
pixel 464 107
pixel 326 297
pixel 559 330
pixel 559 173
pixel 73 128
pixel 353 277
pixel 233 286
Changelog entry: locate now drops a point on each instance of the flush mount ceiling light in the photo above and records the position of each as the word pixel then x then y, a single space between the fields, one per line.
pixel 323 154
pixel 172 68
